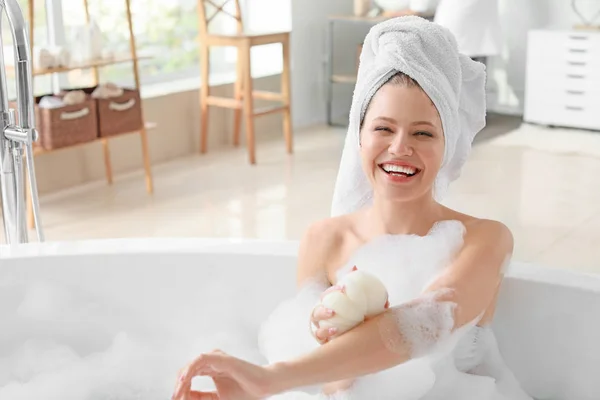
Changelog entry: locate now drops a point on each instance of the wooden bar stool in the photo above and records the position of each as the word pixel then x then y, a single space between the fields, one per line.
pixel 244 94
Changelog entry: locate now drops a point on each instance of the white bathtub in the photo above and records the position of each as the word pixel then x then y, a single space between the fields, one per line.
pixel 179 297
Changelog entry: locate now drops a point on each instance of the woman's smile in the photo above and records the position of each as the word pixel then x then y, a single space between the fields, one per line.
pixel 399 171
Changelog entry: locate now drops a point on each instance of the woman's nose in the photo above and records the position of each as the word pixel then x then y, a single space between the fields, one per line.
pixel 400 145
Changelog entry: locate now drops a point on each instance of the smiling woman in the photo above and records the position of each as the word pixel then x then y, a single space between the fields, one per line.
pixel 401 139
pixel 416 108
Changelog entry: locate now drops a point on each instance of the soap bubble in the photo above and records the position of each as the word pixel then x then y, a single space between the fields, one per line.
pixel 59 343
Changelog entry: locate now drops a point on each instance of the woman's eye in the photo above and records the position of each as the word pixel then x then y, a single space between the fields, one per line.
pixel 423 133
pixel 383 128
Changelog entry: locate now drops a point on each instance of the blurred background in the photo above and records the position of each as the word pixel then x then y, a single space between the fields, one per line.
pixel 137 166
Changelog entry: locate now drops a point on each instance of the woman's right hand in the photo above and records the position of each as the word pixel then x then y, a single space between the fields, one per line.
pixel 324 335
pixel 320 313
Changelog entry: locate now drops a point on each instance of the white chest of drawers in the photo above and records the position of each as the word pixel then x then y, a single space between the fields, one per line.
pixel 563 79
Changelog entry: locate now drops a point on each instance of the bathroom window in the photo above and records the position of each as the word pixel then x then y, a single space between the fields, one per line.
pixel 265 16
pixel 167 31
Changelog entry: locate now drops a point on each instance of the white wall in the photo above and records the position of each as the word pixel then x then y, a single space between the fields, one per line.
pixel 506 80
pixel 507 72
pixel 309 54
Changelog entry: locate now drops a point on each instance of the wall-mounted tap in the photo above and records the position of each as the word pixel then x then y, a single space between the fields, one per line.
pixel 16 139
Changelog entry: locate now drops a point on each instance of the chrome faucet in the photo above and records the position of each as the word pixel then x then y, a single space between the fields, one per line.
pixel 16 140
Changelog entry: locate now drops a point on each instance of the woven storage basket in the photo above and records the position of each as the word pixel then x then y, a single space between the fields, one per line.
pixel 121 114
pixel 68 125
pixel 65 126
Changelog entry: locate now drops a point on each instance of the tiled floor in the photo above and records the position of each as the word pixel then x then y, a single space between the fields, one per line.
pixel 543 184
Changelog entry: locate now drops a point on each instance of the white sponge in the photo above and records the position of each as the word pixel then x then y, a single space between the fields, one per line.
pixel 364 296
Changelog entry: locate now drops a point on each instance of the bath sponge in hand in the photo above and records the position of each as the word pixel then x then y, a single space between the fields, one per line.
pixel 364 296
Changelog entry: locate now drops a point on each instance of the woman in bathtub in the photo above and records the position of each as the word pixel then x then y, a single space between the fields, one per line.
pixel 418 104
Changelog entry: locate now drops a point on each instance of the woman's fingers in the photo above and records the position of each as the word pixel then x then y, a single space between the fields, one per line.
pixel 320 313
pixel 193 395
pixel 324 334
pixel 182 387
pixel 205 365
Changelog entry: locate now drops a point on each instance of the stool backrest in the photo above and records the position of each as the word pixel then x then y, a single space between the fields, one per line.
pixel 208 14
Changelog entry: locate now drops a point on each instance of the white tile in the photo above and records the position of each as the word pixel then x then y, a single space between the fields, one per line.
pixel 578 249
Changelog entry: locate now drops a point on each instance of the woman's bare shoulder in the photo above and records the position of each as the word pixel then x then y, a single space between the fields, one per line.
pixel 481 227
pixel 478 267
pixel 321 246
pixel 485 233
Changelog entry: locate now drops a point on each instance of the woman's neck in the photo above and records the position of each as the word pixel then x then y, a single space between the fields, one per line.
pixel 399 218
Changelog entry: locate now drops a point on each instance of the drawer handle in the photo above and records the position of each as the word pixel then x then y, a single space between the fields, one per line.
pixel 577 37
pixel 75 114
pixel 573 108
pixel 575 92
pixel 576 76
pixel 577 50
pixel 121 106
pixel 578 63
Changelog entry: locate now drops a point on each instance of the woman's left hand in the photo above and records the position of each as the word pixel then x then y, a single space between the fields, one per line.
pixel 234 379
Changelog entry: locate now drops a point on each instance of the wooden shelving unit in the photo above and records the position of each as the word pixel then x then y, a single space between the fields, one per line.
pixel 95 65
pixel 40 150
pixel 82 65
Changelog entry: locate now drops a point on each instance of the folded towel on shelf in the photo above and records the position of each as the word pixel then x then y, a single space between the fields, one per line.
pixel 106 91
pixel 44 59
pixel 62 56
pixel 74 97
pixel 66 98
pixel 52 57
pixel 51 102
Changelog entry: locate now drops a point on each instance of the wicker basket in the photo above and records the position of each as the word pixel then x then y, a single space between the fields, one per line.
pixel 65 126
pixel 121 114
pixel 116 115
pixel 68 125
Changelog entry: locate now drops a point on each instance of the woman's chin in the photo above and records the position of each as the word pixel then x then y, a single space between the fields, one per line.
pixel 403 192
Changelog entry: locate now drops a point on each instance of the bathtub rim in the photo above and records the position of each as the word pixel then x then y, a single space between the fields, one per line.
pixel 519 270
pixel 154 245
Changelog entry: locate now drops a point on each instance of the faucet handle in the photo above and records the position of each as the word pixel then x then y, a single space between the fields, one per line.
pixel 12 116
pixel 12 121
pixel 20 135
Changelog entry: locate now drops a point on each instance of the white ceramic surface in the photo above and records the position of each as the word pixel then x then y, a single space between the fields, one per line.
pixel 102 297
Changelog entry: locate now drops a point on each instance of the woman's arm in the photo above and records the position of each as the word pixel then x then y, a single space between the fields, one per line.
pixel 321 241
pixel 472 279
pixel 318 242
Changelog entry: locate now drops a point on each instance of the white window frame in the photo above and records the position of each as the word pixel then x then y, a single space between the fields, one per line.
pixel 56 36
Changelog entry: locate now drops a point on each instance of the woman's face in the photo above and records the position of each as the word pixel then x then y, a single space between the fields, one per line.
pixel 402 142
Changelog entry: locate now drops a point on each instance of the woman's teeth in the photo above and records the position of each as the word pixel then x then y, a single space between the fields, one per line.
pixel 399 169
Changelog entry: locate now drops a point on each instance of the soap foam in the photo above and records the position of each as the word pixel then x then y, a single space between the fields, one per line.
pixel 420 326
pixel 61 344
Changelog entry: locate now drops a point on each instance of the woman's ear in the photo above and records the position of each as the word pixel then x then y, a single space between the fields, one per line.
pixel 360 136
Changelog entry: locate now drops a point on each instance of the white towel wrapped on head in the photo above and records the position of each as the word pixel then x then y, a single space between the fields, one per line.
pixel 428 53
